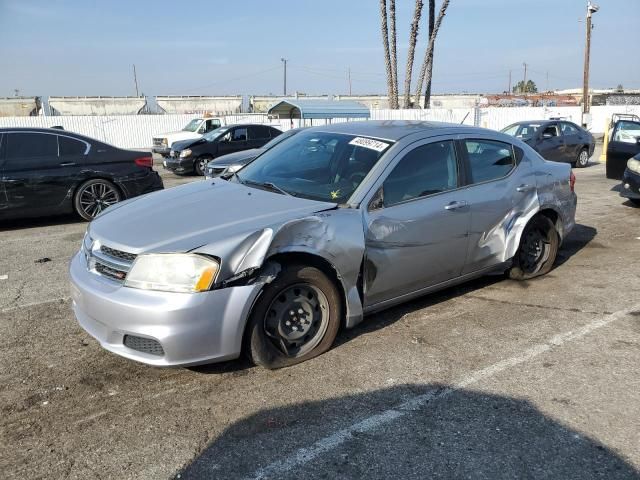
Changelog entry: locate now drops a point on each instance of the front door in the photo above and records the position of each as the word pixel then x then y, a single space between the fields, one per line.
pixel 416 225
pixel 234 140
pixel 550 144
pixel 623 144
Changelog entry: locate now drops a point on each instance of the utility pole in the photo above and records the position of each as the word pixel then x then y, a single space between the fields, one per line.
pixel 284 62
pixel 591 9
pixel 524 82
pixel 509 89
pixel 349 76
pixel 135 79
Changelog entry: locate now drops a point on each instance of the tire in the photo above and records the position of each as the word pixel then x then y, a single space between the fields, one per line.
pixel 200 164
pixel 582 160
pixel 272 339
pixel 537 251
pixel 93 196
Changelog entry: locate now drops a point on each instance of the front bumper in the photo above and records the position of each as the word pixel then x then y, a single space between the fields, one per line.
pixel 178 165
pixel 630 185
pixel 191 328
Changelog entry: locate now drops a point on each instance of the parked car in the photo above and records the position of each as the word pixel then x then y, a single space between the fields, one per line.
pixel 193 130
pixel 232 162
pixel 48 171
pixel 623 144
pixel 337 222
pixel 556 140
pixel 193 155
pixel 631 181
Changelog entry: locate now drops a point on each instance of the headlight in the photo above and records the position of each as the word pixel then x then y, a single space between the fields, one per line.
pixel 633 165
pixel 173 272
pixel 185 153
pixel 234 168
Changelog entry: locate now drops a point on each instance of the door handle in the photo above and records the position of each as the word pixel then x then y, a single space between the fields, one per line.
pixel 67 164
pixel 456 205
pixel 524 188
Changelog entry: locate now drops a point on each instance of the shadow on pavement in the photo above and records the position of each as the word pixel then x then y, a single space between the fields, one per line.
pixel 18 224
pixel 462 434
pixel 580 237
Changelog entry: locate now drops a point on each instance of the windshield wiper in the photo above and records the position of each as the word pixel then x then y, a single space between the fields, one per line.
pixel 269 185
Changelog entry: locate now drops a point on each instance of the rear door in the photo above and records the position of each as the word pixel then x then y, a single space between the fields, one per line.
pixel 258 135
pixel 550 143
pixel 34 175
pixel 623 144
pixel 573 141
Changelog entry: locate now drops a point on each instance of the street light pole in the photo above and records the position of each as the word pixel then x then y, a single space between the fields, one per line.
pixel 591 9
pixel 284 61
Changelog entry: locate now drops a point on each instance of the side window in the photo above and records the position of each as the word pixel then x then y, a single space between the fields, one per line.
pixel 550 131
pixel 568 129
pixel 274 132
pixel 489 160
pixel 626 132
pixel 425 170
pixel 41 146
pixel 239 135
pixel 259 133
pixel 71 146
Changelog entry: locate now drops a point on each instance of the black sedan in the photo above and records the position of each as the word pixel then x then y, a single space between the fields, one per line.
pixel 50 171
pixel 556 140
pixel 193 155
pixel 232 162
pixel 631 181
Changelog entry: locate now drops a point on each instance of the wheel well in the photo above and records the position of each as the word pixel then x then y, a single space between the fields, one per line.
pixel 288 258
pixel 554 217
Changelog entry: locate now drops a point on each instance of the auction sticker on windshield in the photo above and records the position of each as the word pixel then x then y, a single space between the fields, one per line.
pixel 376 145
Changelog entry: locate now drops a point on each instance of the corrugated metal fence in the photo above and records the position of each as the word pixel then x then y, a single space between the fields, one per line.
pixel 136 131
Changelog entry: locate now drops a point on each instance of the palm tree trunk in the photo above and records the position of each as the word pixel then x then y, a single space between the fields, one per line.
pixel 428 57
pixel 432 21
pixel 394 56
pixel 385 47
pixel 413 39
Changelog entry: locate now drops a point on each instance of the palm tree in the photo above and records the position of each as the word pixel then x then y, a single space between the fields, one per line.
pixel 394 56
pixel 385 47
pixel 428 57
pixel 432 21
pixel 413 39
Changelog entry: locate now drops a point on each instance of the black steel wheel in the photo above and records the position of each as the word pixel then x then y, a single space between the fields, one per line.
pixel 93 196
pixel 583 158
pixel 537 251
pixel 296 318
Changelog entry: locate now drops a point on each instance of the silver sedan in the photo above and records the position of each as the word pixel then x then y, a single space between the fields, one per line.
pixel 332 224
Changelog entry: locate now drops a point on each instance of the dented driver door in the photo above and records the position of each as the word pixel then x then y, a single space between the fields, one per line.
pixel 416 225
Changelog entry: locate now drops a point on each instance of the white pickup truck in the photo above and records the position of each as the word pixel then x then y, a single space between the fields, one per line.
pixel 194 129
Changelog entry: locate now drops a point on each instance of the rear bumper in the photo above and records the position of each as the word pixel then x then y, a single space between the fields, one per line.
pixel 139 186
pixel 630 185
pixel 191 328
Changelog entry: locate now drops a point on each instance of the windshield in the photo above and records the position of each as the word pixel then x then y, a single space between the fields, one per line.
pixel 316 165
pixel 522 130
pixel 213 134
pixel 192 126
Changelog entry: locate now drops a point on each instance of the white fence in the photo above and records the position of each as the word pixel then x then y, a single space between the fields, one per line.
pixel 136 131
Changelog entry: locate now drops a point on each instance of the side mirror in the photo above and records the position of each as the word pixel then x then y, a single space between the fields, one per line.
pixel 377 202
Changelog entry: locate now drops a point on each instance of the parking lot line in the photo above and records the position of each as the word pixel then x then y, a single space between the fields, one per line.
pixel 34 304
pixel 307 454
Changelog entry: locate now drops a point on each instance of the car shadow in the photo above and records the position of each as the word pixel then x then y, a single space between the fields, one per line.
pixel 445 433
pixel 21 223
pixel 627 203
pixel 579 238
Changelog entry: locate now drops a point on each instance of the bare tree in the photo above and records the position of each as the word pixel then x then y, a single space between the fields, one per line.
pixel 387 54
pixel 428 57
pixel 413 39
pixel 394 55
pixel 432 21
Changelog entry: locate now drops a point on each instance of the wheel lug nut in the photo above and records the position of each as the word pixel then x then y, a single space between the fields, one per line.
pixel 292 313
pixel 300 310
pixel 287 323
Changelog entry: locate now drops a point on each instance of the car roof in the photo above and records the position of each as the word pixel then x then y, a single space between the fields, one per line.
pixel 36 129
pixel 395 130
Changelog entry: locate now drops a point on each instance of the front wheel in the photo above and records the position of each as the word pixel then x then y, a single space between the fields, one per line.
pixel 200 165
pixel 296 318
pixel 537 251
pixel 94 196
pixel 583 158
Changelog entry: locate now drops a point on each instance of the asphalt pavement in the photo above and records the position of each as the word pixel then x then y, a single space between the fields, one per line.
pixel 492 379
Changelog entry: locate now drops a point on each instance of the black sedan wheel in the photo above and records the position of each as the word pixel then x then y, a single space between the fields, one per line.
pixel 201 164
pixel 537 251
pixel 583 158
pixel 296 318
pixel 94 196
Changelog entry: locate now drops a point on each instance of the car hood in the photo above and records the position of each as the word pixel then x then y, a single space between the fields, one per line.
pixel 182 144
pixel 236 158
pixel 184 218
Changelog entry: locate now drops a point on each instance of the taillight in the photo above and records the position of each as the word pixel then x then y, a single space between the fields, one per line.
pixel 144 162
pixel 572 181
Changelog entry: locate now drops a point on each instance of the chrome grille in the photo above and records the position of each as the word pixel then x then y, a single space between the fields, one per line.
pixel 142 344
pixel 110 272
pixel 108 262
pixel 112 252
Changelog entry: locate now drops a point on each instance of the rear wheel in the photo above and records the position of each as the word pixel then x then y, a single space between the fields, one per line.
pixel 582 159
pixel 537 251
pixel 200 165
pixel 93 196
pixel 296 318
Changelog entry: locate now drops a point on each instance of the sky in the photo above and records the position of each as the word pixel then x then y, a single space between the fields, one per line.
pixel 194 47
